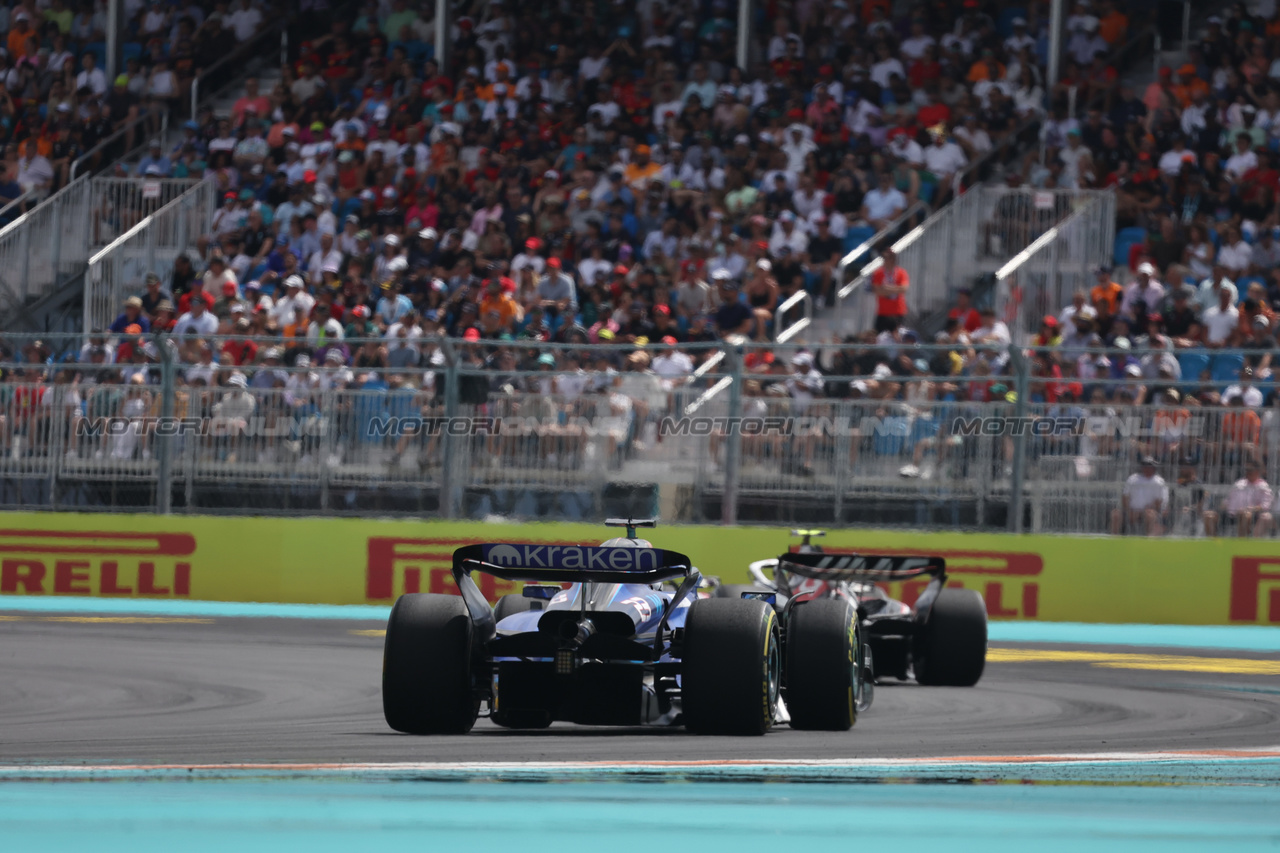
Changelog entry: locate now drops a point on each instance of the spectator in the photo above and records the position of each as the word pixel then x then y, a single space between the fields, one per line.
pixel 890 283
pixel 1144 502
pixel 1246 511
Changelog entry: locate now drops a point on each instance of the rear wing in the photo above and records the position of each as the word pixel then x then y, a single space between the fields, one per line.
pixel 862 567
pixel 571 563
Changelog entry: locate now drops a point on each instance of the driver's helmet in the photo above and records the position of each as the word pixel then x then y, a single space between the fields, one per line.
pixel 624 542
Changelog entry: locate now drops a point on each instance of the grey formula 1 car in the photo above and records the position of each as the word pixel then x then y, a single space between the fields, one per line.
pixel 941 640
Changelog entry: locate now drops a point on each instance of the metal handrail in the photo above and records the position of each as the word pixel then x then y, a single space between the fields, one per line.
pixel 279 28
pixel 874 264
pixel 17 201
pixel 867 244
pixel 800 297
pixel 164 130
pixel 123 238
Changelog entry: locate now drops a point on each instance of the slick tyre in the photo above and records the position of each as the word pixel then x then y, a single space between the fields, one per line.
pixel 732 667
pixel 824 665
pixel 426 666
pixel 951 644
pixel 512 604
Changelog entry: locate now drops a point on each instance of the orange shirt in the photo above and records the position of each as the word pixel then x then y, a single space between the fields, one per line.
pixel 508 311
pixel 1113 27
pixel 1111 294
pixel 18 43
pixel 1170 422
pixel 891 306
pixel 636 174
pixel 1241 426
pixel 979 72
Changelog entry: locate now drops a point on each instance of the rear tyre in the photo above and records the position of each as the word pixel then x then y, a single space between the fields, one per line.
pixel 426 666
pixel 951 645
pixel 515 603
pixel 732 667
pixel 735 590
pixel 824 665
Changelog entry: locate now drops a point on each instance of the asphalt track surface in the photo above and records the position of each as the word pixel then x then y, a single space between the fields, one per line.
pixel 233 690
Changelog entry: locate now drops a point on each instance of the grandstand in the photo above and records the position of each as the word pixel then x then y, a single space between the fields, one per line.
pixel 865 210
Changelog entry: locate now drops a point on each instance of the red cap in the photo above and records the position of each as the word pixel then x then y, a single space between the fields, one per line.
pixel 360 311
pixel 662 309
pixel 309 176
pixel 507 284
pixel 533 244
pixel 554 263
pixel 828 200
pixel 229 288
pixel 761 244
pixel 228 195
pixel 1050 321
pixel 668 339
pixel 471 334
pixel 133 329
pixel 620 270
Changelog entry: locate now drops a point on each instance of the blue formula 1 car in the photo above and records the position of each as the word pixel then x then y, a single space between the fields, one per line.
pixel 618 647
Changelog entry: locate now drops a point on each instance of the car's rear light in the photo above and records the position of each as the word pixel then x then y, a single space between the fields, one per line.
pixel 565 662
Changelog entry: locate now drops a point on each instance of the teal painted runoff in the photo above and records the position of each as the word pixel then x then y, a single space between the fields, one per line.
pixel 320 815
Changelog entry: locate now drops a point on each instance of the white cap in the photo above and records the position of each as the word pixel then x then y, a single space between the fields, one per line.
pixel 392 240
pixel 1146 268
pixel 764 264
pixel 802 359
pixel 294 281
pixel 303 360
pixel 237 379
pixel 399 264
pixel 721 274
pixel 428 234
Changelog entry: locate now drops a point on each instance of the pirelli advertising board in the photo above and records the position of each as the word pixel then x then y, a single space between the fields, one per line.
pixel 368 561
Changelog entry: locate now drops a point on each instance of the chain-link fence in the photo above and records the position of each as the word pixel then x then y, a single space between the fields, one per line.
pixel 921 436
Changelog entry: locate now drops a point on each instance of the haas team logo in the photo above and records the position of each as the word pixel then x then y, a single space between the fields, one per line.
pixel 60 562
pixel 1006 579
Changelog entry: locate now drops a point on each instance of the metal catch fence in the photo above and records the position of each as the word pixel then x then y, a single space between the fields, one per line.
pixel 491 430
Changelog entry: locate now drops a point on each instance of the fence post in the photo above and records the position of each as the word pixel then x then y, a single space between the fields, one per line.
pixel 328 443
pixel 733 449
pixel 55 238
pixel 449 486
pixel 1018 476
pixel 164 441
pixel 26 261
pixel 842 460
pixel 951 247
